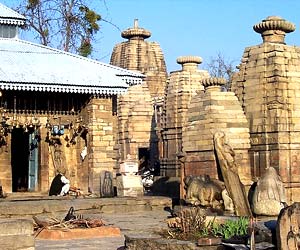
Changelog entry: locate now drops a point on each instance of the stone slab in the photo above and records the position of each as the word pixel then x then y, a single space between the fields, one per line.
pixel 17 242
pixel 16 227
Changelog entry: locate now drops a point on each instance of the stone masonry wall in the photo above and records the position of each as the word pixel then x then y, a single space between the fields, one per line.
pixel 135 121
pixel 182 85
pixel 268 87
pixel 101 140
pixel 209 112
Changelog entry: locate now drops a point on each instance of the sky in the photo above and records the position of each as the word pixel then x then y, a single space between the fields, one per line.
pixel 190 27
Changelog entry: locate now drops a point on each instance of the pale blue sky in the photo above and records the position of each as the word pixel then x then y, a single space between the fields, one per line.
pixel 191 27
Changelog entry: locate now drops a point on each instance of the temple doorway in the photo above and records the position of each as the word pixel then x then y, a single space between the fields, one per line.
pixel 143 158
pixel 24 160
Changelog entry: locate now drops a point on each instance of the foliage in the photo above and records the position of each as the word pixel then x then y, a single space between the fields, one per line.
pixel 191 224
pixel 230 228
pixel 66 24
pixel 219 66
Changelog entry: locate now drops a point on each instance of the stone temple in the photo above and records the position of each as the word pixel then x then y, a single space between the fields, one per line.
pixel 65 112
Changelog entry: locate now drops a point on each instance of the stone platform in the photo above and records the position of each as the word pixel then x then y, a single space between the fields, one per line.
pixel 21 207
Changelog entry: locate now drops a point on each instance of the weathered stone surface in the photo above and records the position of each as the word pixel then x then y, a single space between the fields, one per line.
pixel 210 111
pixel 89 205
pixel 269 194
pixel 17 242
pixel 139 109
pixel 16 227
pixel 129 185
pixel 146 242
pixel 16 234
pixel 181 87
pixel 287 230
pixel 229 169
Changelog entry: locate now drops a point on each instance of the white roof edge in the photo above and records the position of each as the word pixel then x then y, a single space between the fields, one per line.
pixel 9 14
pixel 61 88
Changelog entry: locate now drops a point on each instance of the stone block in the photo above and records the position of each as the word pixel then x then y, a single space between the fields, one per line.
pixel 17 242
pixel 16 227
pixel 129 185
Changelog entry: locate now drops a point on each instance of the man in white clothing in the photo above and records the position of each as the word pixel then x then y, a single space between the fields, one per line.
pixel 60 185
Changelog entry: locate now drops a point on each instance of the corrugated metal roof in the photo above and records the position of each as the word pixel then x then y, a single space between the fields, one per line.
pixel 9 16
pixel 29 66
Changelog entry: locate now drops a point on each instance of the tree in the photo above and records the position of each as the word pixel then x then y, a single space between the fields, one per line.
pixel 219 66
pixel 69 25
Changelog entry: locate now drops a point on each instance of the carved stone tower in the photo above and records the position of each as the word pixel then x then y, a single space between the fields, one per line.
pixel 267 86
pixel 211 111
pixel 137 110
pixel 181 87
pixel 146 57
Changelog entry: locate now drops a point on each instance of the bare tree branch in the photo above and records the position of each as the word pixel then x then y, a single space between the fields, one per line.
pixel 219 66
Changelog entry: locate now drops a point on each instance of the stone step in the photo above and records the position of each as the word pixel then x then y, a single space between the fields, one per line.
pixel 47 205
pixel 16 227
pixel 16 234
pixel 17 242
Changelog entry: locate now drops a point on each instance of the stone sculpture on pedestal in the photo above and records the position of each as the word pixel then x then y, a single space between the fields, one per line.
pixel 269 195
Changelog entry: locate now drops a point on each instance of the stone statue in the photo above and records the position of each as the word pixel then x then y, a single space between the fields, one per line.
pixel 269 195
pixel 201 190
pixel 229 169
pixel 106 185
pixel 228 203
pixel 287 231
pixel 226 154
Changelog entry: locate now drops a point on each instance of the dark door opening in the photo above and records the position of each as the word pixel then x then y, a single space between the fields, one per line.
pixel 143 158
pixel 19 159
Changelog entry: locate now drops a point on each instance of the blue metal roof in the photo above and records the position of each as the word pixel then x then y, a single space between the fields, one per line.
pixel 29 66
pixel 9 16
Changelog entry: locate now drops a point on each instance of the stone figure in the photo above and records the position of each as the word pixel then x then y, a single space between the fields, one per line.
pixel 228 203
pixel 201 190
pixel 287 231
pixel 106 187
pixel 226 154
pixel 229 169
pixel 269 195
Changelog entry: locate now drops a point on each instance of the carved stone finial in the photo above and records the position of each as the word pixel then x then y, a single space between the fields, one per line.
pixel 136 23
pixel 213 84
pixel 273 29
pixel 189 62
pixel 136 32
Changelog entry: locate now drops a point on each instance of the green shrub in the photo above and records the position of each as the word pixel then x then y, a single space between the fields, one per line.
pixel 231 228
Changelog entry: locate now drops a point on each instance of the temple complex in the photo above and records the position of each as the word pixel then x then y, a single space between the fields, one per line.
pixel 65 113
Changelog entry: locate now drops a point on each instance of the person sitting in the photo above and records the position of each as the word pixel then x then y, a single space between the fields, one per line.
pixel 60 185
